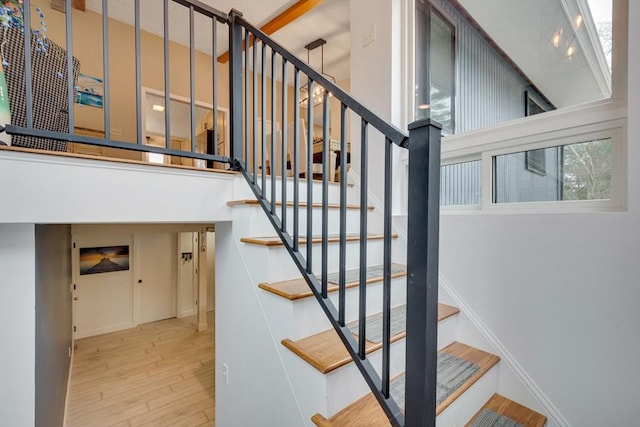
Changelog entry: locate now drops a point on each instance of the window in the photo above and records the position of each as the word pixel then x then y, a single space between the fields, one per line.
pixel 475 59
pixel 460 183
pixel 435 92
pixel 580 171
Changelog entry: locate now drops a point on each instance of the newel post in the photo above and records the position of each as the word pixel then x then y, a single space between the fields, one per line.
pixel 235 90
pixel 422 273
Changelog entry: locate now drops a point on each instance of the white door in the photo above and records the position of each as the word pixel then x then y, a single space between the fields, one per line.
pixel 103 297
pixel 156 279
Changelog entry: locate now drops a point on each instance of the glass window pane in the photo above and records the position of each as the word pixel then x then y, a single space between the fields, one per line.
pixel 460 183
pixel 435 92
pixel 580 171
pixel 483 63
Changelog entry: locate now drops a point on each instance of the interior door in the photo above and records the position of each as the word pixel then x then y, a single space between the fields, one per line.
pixel 103 297
pixel 156 278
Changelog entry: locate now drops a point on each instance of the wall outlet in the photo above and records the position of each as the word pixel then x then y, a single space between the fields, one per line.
pixel 369 35
pixel 225 373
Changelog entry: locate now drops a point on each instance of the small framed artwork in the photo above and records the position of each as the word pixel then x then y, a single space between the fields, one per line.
pixel 90 91
pixel 104 259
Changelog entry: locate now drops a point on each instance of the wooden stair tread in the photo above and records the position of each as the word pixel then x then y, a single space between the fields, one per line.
pixel 366 412
pixel 513 410
pixel 326 352
pixel 298 288
pixel 275 240
pixel 481 358
pixel 254 202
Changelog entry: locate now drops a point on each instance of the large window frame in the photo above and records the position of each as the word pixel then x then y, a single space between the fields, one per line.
pixel 423 51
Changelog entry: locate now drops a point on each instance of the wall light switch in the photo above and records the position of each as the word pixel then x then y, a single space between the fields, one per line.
pixel 369 35
pixel 225 373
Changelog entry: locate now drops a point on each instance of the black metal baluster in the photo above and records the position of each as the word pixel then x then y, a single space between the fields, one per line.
pixel 214 94
pixel 362 310
pixel 283 152
pixel 192 80
pixel 28 74
pixel 309 176
pixel 70 83
pixel 343 216
pixel 247 117
pixel 138 73
pixel 326 158
pixel 386 269
pixel 263 124
pixel 167 81
pixel 235 91
pixel 255 104
pixel 295 160
pixel 106 97
pixel 273 132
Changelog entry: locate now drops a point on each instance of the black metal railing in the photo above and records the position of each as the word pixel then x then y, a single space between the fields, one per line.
pixel 268 169
pixel 265 86
pixel 23 121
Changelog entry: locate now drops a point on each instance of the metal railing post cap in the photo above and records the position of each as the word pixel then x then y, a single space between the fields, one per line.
pixel 233 13
pixel 424 123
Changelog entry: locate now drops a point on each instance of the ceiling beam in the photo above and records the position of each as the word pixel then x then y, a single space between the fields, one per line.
pixel 282 20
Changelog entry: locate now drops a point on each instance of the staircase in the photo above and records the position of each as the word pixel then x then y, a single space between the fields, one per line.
pixel 327 381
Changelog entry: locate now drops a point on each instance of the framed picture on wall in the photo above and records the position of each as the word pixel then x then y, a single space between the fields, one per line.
pixel 90 91
pixel 104 259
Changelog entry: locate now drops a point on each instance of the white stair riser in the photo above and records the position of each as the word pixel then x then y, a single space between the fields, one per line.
pixel 252 221
pixel 277 264
pixel 309 318
pixel 447 331
pixel 346 384
pixel 465 406
pixel 333 191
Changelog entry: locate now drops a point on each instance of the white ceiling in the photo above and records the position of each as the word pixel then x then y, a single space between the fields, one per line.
pixel 329 20
pixel 524 31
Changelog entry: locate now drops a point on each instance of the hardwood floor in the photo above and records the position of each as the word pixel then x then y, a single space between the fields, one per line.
pixel 157 374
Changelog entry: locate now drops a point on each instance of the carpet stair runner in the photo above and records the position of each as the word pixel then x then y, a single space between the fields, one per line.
pixel 326 352
pixel 298 288
pixel 459 367
pixel 502 412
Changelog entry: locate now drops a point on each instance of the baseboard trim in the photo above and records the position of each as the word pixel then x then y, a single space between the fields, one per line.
pixel 103 330
pixel 506 356
pixel 66 398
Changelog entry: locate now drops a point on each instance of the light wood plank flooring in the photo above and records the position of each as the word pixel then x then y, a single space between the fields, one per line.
pixel 157 374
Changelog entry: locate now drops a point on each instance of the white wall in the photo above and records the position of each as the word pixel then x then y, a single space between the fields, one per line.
pixel 379 81
pixel 55 189
pixel 17 330
pixel 560 291
pixel 258 392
